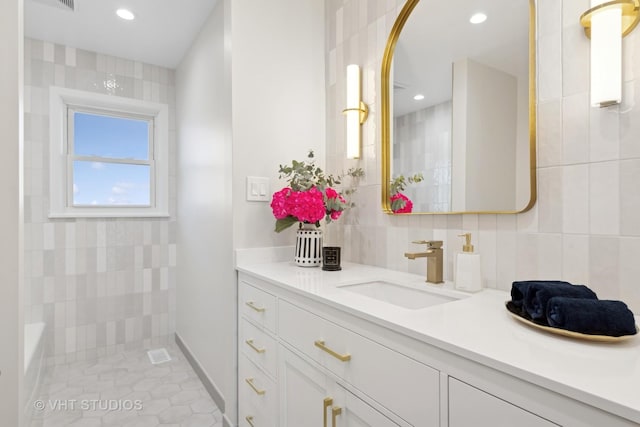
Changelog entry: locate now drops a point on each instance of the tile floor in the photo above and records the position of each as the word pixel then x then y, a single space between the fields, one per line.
pixel 125 390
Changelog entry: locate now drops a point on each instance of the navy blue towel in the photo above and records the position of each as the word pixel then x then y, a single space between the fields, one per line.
pixel 520 290
pixel 538 294
pixel 589 316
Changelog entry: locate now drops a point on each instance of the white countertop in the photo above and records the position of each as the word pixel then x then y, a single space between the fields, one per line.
pixel 604 375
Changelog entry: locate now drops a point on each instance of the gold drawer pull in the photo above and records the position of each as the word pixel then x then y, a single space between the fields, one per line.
pixel 249 419
pixel 340 357
pixel 334 414
pixel 253 346
pixel 253 386
pixel 327 402
pixel 253 306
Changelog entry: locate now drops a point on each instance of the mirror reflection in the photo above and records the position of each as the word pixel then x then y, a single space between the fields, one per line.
pixel 460 111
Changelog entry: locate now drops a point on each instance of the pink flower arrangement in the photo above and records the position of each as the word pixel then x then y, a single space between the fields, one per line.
pixel 310 196
pixel 308 206
pixel 334 202
pixel 399 202
pixel 402 203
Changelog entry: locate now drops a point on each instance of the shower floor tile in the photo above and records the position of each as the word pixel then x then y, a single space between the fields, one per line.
pixel 125 390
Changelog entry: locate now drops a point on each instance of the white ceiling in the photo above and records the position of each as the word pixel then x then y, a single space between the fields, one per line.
pixel 438 33
pixel 161 33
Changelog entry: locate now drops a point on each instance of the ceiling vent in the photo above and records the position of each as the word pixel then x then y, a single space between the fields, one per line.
pixel 60 4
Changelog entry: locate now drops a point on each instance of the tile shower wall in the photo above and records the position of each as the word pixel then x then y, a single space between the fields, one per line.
pixel 585 226
pixel 100 284
pixel 422 144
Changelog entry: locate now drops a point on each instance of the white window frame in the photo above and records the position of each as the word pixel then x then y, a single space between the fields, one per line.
pixel 61 101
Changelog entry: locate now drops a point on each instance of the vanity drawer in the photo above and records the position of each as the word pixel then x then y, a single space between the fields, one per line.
pixel 258 305
pixel 399 383
pixel 471 406
pixel 259 347
pixel 258 396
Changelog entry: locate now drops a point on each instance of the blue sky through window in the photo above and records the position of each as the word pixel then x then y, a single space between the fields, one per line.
pixel 104 183
pixel 108 136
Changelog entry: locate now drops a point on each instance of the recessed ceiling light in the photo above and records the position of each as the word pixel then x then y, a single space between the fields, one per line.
pixel 125 14
pixel 419 97
pixel 478 18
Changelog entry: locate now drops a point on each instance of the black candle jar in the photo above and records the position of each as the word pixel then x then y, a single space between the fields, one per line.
pixel 331 258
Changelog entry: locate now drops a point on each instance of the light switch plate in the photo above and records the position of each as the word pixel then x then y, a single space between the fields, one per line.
pixel 258 189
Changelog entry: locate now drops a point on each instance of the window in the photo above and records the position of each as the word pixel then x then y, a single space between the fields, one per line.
pixel 108 156
pixel 110 159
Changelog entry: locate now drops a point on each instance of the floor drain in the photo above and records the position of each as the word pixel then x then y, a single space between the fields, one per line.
pixel 159 355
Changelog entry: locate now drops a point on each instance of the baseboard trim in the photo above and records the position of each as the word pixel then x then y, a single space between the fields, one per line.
pixel 208 384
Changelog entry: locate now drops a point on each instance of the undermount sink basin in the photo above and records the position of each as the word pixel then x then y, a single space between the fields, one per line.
pixel 399 295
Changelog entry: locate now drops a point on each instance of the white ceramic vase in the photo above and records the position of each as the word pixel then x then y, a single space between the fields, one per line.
pixel 308 246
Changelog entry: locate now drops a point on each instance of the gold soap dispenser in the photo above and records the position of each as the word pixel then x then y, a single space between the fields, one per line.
pixel 468 272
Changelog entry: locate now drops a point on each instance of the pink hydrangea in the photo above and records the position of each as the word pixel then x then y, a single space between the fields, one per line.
pixel 332 194
pixel 408 204
pixel 278 203
pixel 306 206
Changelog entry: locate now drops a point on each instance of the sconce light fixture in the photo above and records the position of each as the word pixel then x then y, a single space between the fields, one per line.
pixel 605 24
pixel 356 112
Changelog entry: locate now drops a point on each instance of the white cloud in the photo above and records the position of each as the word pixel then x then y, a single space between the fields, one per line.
pixel 75 189
pixel 118 200
pixel 121 187
pixel 98 165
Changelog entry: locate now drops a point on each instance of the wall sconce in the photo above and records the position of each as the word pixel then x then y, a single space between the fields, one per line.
pixel 605 24
pixel 356 112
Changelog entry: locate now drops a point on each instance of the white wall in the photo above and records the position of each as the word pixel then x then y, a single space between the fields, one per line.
pixel 490 119
pixel 278 103
pixel 459 136
pixel 11 105
pixel 250 96
pixel 206 290
pixel 585 227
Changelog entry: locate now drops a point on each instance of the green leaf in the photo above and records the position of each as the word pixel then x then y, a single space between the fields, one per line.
pixel 398 204
pixel 284 223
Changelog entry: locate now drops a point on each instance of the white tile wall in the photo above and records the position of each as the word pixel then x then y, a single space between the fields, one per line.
pixel 421 145
pixel 99 284
pixel 585 226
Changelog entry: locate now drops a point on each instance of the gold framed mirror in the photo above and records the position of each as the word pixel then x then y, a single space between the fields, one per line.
pixel 472 135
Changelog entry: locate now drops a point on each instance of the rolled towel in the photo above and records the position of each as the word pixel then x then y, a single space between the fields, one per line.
pixel 538 294
pixel 589 316
pixel 519 291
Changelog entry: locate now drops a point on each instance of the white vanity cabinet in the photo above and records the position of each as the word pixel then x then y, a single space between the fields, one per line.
pixel 469 406
pixel 258 395
pixel 408 388
pixel 317 359
pixel 310 397
pixel 257 358
pixel 310 358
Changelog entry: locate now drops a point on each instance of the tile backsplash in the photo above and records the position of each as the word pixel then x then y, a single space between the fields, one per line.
pixel 585 226
pixel 422 144
pixel 99 284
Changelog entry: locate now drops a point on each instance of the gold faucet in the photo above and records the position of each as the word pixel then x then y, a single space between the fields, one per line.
pixel 434 259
